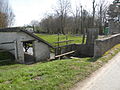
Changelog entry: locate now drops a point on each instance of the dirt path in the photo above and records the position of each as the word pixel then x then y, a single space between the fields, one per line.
pixel 106 78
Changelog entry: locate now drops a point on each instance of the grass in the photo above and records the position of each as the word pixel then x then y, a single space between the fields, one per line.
pixel 54 38
pixel 54 75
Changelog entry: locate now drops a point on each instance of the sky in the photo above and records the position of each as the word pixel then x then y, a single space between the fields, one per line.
pixel 27 10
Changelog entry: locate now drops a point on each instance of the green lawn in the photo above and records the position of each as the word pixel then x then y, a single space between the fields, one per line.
pixel 54 75
pixel 54 38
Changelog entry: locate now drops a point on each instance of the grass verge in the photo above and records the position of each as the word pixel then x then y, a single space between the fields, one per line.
pixel 54 75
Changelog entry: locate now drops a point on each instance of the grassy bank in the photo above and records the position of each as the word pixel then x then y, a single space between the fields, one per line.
pixel 54 75
pixel 54 38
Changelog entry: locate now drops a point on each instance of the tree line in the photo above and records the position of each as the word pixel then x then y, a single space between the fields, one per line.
pixel 65 20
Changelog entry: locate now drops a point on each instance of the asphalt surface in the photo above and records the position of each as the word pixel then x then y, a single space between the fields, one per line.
pixel 107 78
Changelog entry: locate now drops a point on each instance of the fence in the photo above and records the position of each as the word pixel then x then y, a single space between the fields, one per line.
pixel 64 49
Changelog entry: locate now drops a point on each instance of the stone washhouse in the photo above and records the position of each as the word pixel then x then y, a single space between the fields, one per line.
pixel 14 41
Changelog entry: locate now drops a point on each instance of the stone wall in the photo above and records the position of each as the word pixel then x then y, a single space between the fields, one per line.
pixel 103 45
pixel 81 50
pixel 84 50
pixel 41 51
pixel 7 37
pixel 97 49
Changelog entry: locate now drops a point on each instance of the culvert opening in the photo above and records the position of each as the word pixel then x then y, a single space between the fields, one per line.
pixel 6 58
pixel 28 49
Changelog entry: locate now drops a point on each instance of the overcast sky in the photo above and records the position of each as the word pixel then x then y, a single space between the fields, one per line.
pixel 27 10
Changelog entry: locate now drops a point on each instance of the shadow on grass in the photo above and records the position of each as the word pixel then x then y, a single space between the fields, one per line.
pixel 94 59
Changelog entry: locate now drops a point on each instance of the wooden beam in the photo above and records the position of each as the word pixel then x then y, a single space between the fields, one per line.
pixel 64 41
pixel 5 60
pixel 7 43
pixel 6 50
pixel 64 54
pixel 63 46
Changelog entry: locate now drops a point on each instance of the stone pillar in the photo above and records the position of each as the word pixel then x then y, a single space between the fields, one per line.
pixel 92 34
pixel 97 49
pixel 16 50
pixel 110 25
pixel 19 50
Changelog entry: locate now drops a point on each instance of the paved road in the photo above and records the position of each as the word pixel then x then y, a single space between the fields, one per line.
pixel 107 78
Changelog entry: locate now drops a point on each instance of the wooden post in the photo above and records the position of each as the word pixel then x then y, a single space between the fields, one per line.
pixel 58 51
pixel 33 28
pixel 81 19
pixel 83 39
pixel 66 39
pixel 55 52
pixel 58 39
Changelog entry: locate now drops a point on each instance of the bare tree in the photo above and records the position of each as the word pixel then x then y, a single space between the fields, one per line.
pixel 6 14
pixel 50 24
pixel 80 15
pixel 62 9
pixel 34 23
pixel 102 12
pixel 10 14
pixel 94 8
pixel 76 16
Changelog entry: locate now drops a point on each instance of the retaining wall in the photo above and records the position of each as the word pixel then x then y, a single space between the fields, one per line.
pixel 97 49
pixel 103 45
pixel 84 50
